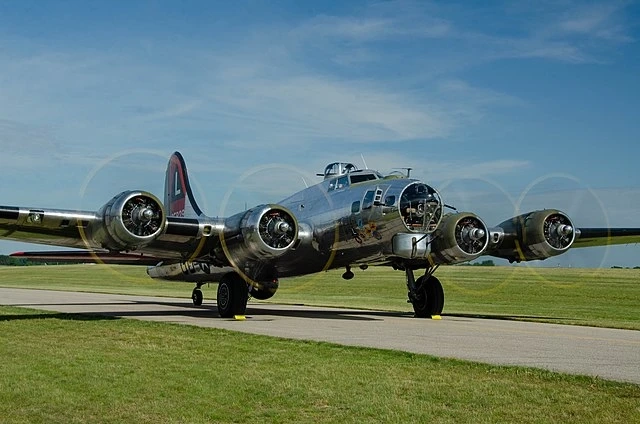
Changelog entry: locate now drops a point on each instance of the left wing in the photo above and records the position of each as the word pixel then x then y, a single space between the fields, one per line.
pixel 545 233
pixel 587 237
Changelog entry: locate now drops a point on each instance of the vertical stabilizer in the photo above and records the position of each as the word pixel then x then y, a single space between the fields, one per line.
pixel 178 197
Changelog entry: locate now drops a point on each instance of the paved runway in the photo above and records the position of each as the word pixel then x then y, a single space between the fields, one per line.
pixel 606 353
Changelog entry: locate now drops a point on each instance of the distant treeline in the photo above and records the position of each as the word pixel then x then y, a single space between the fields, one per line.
pixel 488 262
pixel 9 260
pixel 624 267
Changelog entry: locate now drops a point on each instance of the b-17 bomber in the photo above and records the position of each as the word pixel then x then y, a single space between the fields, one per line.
pixel 352 218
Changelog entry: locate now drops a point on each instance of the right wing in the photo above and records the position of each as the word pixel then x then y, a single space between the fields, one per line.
pixel 131 221
pixel 137 221
pixel 84 256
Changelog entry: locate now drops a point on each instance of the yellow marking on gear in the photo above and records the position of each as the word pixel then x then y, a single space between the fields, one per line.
pixel 239 317
pixel 436 317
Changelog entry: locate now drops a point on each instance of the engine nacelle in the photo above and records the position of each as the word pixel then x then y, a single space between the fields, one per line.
pixel 262 233
pixel 535 235
pixel 129 221
pixel 460 237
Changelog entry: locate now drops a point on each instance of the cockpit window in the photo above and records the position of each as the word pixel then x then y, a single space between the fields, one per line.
pixel 420 207
pixel 342 182
pixel 339 183
pixel 359 178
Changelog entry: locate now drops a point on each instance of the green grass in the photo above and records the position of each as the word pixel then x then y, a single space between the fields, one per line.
pixel 599 297
pixel 76 369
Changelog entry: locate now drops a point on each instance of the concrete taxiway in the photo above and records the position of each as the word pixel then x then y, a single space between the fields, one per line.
pixel 605 353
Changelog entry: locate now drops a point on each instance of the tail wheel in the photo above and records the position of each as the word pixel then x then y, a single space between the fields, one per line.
pixel 232 296
pixel 429 299
pixel 197 297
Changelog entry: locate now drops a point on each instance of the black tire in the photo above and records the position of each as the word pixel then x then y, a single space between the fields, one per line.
pixel 232 296
pixel 430 297
pixel 196 297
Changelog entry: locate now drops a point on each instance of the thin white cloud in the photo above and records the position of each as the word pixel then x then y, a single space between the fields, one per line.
pixel 173 111
pixel 312 107
pixel 595 20
pixel 365 29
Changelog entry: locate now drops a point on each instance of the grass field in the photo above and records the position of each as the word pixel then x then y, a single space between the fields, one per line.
pixel 59 368
pixel 599 297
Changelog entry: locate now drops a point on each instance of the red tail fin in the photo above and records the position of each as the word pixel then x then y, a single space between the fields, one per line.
pixel 178 197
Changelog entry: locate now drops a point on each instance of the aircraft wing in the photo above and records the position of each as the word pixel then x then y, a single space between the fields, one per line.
pixel 135 222
pixel 84 256
pixel 587 237
pixel 545 233
pixel 120 226
pixel 172 231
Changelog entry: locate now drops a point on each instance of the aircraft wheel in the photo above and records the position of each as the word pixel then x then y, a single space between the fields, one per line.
pixel 429 300
pixel 196 297
pixel 232 296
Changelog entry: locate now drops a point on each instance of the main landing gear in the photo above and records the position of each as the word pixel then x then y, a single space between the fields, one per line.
pixel 425 294
pixel 233 295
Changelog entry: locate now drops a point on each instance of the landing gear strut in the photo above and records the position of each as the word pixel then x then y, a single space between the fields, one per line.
pixel 425 294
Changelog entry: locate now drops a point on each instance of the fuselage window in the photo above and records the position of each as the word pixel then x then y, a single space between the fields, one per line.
pixel 390 200
pixel 367 202
pixel 355 207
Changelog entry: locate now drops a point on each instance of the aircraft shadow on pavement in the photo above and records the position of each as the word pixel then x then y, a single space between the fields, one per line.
pixel 508 317
pixel 258 311
pixel 338 314
pixel 262 312
pixel 69 316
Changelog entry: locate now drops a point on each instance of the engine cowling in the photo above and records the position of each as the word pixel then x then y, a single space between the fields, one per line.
pixel 262 233
pixel 460 237
pixel 536 235
pixel 129 221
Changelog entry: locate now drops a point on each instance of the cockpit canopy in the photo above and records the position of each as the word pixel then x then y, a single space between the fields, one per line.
pixel 341 175
pixel 338 168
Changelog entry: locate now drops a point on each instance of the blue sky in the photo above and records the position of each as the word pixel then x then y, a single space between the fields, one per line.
pixel 505 107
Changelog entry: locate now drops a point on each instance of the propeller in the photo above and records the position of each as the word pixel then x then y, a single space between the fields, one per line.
pixel 558 231
pixel 277 229
pixel 471 235
pixel 142 216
